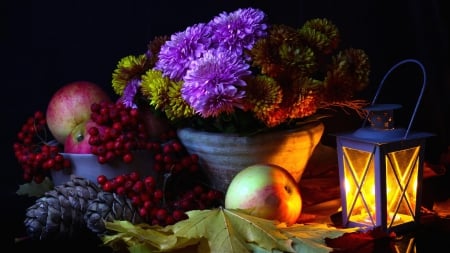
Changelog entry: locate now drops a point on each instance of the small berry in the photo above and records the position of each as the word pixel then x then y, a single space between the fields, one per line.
pixel 127 158
pixel 102 179
pixel 161 214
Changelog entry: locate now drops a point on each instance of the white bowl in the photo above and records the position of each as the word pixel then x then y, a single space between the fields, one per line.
pixel 87 166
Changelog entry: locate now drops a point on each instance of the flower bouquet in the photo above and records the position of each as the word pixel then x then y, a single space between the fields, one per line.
pixel 238 73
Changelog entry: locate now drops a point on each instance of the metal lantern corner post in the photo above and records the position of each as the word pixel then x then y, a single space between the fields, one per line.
pixel 380 169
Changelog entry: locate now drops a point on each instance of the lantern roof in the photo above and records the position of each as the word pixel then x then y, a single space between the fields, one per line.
pixel 382 107
pixel 385 135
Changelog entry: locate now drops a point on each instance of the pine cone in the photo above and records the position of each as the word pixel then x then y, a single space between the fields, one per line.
pixel 59 213
pixel 110 206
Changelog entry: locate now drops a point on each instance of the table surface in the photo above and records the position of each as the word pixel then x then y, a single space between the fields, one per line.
pixel 321 204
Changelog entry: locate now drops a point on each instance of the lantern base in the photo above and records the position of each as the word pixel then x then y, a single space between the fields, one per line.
pixel 403 228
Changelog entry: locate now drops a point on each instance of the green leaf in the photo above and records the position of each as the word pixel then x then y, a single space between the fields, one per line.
pixel 33 189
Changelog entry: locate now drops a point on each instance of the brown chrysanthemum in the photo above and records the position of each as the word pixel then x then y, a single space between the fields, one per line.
pixel 321 35
pixel 154 47
pixel 263 95
pixel 308 99
pixel 348 73
pixel 282 54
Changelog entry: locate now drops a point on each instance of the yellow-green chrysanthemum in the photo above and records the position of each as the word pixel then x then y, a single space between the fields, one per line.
pixel 128 68
pixel 164 94
pixel 156 88
pixel 178 107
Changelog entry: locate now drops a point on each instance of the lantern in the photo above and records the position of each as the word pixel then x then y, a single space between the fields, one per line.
pixel 380 169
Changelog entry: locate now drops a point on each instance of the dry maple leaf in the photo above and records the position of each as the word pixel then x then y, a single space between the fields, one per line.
pixel 222 230
pixel 231 230
pixel 144 237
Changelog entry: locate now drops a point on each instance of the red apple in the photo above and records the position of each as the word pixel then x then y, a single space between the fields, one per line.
pixel 77 141
pixel 71 106
pixel 266 191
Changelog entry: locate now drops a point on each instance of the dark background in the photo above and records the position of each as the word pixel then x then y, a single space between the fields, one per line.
pixel 46 44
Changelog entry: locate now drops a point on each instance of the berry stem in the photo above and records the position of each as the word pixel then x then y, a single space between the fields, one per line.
pixel 166 177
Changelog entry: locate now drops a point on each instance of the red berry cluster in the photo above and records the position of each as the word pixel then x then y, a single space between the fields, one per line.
pixel 35 154
pixel 171 191
pixel 121 131
pixel 173 158
pixel 158 203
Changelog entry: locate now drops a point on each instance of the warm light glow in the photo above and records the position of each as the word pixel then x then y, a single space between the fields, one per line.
pixel 360 186
pixel 347 186
pixel 381 166
pixel 400 186
pixel 401 175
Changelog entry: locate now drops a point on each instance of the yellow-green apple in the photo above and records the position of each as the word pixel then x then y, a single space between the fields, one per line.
pixel 77 141
pixel 71 105
pixel 266 191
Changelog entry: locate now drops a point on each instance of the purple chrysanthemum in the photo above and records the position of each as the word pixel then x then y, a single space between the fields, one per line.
pixel 148 54
pixel 129 92
pixel 211 85
pixel 240 29
pixel 182 48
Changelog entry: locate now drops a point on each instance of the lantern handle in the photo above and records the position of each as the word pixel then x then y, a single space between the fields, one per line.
pixel 420 95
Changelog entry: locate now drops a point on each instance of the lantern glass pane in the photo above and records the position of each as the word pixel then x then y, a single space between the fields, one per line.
pixel 401 185
pixel 359 174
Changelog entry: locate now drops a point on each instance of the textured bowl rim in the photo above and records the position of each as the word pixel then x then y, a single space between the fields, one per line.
pixel 306 126
pixel 77 154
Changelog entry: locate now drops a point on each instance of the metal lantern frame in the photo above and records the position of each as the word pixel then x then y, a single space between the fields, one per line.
pixel 381 168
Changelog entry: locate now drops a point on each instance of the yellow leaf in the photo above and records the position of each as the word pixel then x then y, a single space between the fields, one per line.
pixel 231 231
pixel 223 230
pixel 133 235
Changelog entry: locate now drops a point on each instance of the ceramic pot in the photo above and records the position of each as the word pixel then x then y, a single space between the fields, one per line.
pixel 87 166
pixel 222 156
